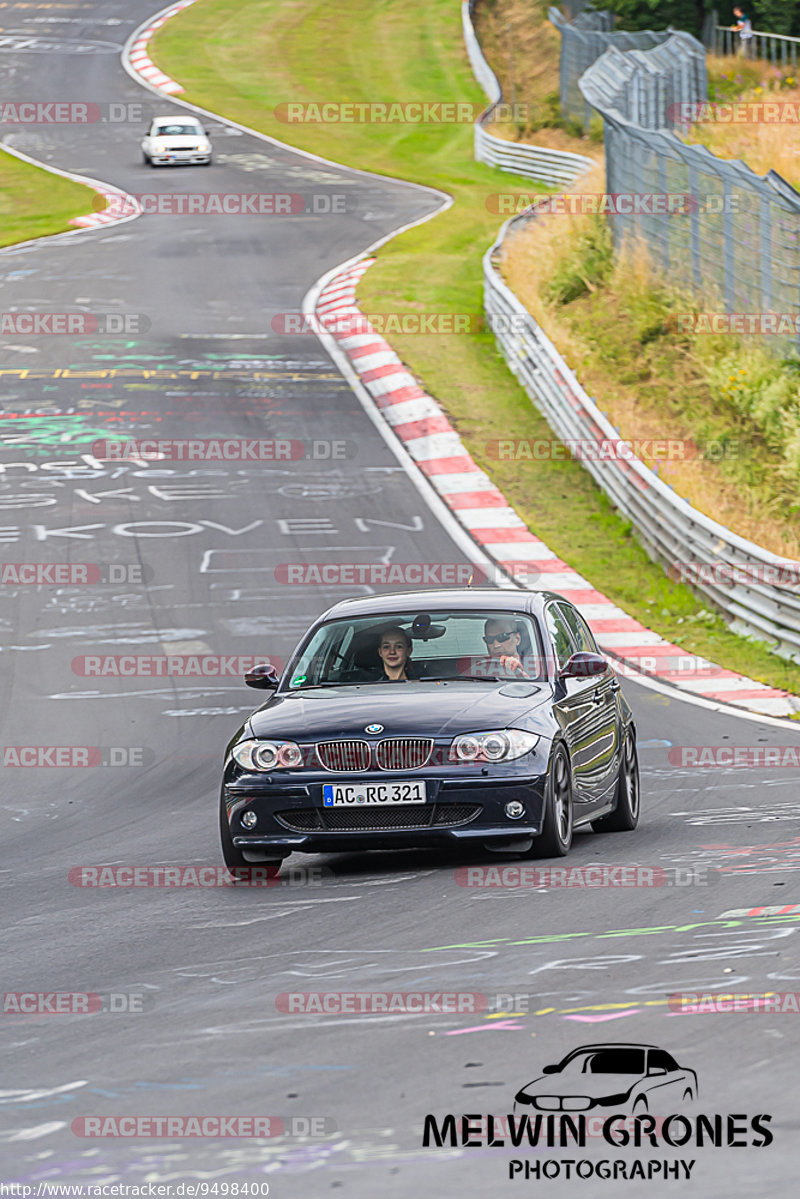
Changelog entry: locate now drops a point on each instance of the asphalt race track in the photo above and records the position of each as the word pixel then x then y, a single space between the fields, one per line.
pixel 195 972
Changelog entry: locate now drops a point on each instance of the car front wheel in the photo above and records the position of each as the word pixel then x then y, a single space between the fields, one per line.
pixel 556 835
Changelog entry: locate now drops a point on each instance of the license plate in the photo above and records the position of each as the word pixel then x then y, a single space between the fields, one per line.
pixel 372 795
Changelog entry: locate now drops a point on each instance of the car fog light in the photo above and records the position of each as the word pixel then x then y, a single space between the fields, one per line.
pixel 249 819
pixel 514 809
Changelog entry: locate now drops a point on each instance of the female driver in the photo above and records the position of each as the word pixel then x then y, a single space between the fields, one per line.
pixel 394 651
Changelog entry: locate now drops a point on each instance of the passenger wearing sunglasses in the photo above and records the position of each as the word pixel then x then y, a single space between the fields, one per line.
pixel 502 642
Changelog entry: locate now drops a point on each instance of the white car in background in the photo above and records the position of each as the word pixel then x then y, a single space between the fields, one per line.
pixel 176 139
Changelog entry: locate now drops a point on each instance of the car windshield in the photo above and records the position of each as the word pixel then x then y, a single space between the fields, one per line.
pixel 176 130
pixel 610 1061
pixel 419 647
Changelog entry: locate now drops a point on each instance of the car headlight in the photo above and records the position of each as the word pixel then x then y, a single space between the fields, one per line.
pixel 496 745
pixel 268 755
pixel 204 147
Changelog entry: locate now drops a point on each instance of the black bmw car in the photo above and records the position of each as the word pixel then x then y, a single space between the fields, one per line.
pixel 472 717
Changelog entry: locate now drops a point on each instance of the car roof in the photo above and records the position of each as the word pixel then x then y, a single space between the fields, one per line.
pixel 612 1045
pixel 175 118
pixel 456 598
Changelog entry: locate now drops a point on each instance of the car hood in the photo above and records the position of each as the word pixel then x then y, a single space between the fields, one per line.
pixel 409 709
pixel 593 1085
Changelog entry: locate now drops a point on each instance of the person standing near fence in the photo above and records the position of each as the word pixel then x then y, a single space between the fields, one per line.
pixel 744 27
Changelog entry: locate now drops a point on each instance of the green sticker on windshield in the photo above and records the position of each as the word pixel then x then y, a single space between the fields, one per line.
pixel 301 678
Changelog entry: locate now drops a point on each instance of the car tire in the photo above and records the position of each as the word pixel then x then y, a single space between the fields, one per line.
pixel 146 160
pixel 625 816
pixel 233 857
pixel 688 1097
pixel 555 839
pixel 640 1106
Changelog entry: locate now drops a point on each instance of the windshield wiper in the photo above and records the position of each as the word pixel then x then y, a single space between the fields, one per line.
pixel 457 678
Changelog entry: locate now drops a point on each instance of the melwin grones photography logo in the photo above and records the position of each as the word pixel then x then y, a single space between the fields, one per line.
pixel 626 1096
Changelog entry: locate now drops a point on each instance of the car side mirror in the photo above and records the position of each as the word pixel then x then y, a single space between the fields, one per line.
pixel 583 665
pixel 550 1070
pixel 264 676
pixel 657 1070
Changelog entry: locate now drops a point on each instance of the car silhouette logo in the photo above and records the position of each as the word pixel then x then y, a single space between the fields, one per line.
pixel 621 1077
pixel 374 728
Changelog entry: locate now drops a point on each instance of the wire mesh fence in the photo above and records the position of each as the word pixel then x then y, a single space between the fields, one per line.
pixel 729 234
pixel 583 40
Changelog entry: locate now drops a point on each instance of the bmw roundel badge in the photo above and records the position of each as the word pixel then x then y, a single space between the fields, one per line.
pixel 374 728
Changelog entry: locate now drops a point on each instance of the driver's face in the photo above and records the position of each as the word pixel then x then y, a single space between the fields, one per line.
pixel 393 650
pixel 501 637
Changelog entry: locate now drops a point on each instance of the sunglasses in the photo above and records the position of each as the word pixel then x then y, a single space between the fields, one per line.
pixel 492 637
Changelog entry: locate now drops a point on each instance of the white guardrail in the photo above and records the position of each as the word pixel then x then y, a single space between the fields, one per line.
pixel 757 590
pixel 532 162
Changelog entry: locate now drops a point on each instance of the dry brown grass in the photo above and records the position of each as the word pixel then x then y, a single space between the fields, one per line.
pixel 637 395
pixel 597 333
pixel 763 145
pixel 522 47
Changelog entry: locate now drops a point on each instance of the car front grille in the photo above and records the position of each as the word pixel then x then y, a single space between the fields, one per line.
pixel 344 755
pixel 403 753
pixel 562 1103
pixel 408 816
pixel 393 753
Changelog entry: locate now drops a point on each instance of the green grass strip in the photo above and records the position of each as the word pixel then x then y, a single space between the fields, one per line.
pixel 244 59
pixel 35 203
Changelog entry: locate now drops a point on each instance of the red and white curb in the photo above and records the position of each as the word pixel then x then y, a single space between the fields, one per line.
pixel 141 61
pixel 478 504
pixel 120 207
